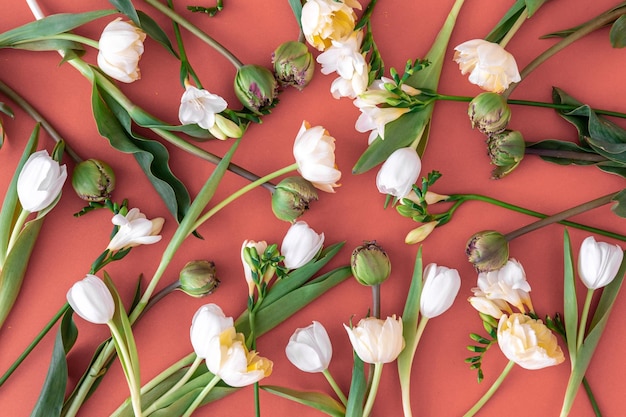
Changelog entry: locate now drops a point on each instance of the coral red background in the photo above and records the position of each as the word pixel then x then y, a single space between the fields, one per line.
pixel 443 385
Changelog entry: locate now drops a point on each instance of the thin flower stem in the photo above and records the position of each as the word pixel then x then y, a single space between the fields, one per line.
pixel 561 216
pixel 17 228
pixel 181 50
pixel 342 397
pixel 592 398
pixel 129 369
pixel 406 386
pixel 371 396
pixel 195 31
pixel 583 318
pixel 376 300
pixel 571 155
pixel 518 24
pixel 200 397
pixel 491 390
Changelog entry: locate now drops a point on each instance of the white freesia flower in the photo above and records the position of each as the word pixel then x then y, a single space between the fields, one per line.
pixel 121 47
pixel 490 66
pixel 374 120
pixel 399 172
pixel 508 284
pixel 40 181
pixel 376 340
pixel 314 151
pixel 200 106
pixel 528 342
pixel 208 322
pixel 91 299
pixel 326 20
pixel 441 285
pixel 300 245
pixel 134 230
pixel 309 348
pixel 345 58
pixel 598 263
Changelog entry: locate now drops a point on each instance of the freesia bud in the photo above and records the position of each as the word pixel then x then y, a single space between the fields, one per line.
pixel 309 348
pixel 200 106
pixel 314 152
pixel 325 20
pixel 489 113
pixel 291 198
pixel 198 278
pixel 92 300
pixel 208 322
pixel 134 230
pixel 256 88
pixel 487 250
pixel 370 264
pixel 93 180
pixel 441 285
pixel 121 47
pixel 40 181
pixel 247 263
pixel 225 128
pixel 493 308
pixel 300 245
pixel 293 64
pixel 506 150
pixel 399 172
pixel 598 263
pixel 420 233
pixel 377 341
pixel 528 342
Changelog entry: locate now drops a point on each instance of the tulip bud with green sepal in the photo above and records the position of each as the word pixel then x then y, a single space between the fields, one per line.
pixel 93 180
pixel 506 151
pixel 291 198
pixel 489 113
pixel 293 64
pixel 256 88
pixel 370 264
pixel 198 278
pixel 487 250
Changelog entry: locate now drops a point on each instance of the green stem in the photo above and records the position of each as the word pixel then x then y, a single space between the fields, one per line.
pixel 200 397
pixel 155 405
pixel 518 24
pixel 491 390
pixel 129 369
pixel 195 31
pixel 371 396
pixel 184 61
pixel 592 398
pixel 376 300
pixel 405 383
pixel 583 318
pixel 17 228
pixel 342 397
pixel 571 155
pixel 65 36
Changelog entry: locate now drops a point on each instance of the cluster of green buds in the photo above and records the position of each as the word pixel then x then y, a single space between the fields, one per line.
pixel 198 278
pixel 93 180
pixel 293 64
pixel 291 198
pixel 370 264
pixel 256 88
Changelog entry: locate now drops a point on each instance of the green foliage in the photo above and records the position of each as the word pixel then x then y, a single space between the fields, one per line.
pixel 358 388
pixel 618 33
pixel 317 400
pixel 483 345
pixel 512 15
pixel 211 11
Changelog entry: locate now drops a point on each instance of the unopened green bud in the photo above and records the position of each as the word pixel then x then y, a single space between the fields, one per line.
pixel 506 151
pixel 93 180
pixel 256 88
pixel 198 278
pixel 489 113
pixel 293 64
pixel 370 264
pixel 292 197
pixel 487 250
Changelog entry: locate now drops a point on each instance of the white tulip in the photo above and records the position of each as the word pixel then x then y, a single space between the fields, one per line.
pixel 121 47
pixel 300 245
pixel 208 322
pixel 598 263
pixel 40 181
pixel 376 340
pixel 309 348
pixel 399 172
pixel 441 286
pixel 91 299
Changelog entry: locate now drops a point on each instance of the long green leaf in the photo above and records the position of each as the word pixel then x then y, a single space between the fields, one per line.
pixel 51 45
pixel 570 303
pixel 358 387
pixel 153 30
pixel 317 400
pixel 126 7
pixel 296 8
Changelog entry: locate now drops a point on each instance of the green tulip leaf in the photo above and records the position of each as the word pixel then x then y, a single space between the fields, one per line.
pixel 568 152
pixel 51 45
pixel 618 32
pixel 570 303
pixel 153 30
pixel 317 400
pixel 126 7
pixel 296 8
pixel 358 388
pixel 619 207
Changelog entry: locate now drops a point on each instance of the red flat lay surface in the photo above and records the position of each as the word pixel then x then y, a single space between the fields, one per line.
pixel 442 384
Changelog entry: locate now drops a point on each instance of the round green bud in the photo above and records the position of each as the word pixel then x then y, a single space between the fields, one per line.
pixel 292 197
pixel 93 180
pixel 489 113
pixel 198 278
pixel 487 250
pixel 370 264
pixel 256 88
pixel 293 64
pixel 506 150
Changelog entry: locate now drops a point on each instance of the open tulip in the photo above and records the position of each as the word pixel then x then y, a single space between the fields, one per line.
pixel 528 342
pixel 325 20
pixel 134 230
pixel 314 151
pixel 208 322
pixel 121 47
pixel 91 299
pixel 598 263
pixel 40 181
pixel 508 284
pixel 200 106
pixel 399 172
pixel 376 340
pixel 309 348
pixel 441 285
pixel 300 245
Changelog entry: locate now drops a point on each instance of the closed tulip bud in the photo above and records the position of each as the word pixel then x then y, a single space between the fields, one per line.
pixel 300 245
pixel 489 113
pixel 198 278
pixel 441 285
pixel 598 263
pixel 309 348
pixel 93 180
pixel 370 264
pixel 293 64
pixel 91 299
pixel 40 181
pixel 291 198
pixel 399 172
pixel 487 250
pixel 506 151
pixel 255 87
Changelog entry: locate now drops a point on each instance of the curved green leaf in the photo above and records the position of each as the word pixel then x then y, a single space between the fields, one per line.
pixel 126 7
pixel 619 207
pixel 50 45
pixel 358 388
pixel 568 149
pixel 317 400
pixel 618 32
pixel 570 303
pixel 153 30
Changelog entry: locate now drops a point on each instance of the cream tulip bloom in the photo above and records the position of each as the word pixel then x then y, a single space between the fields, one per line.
pixel 91 299
pixel 376 340
pixel 508 284
pixel 309 348
pixel 314 151
pixel 300 245
pixel 441 286
pixel 528 342
pixel 40 181
pixel 326 20
pixel 200 106
pixel 399 172
pixel 121 47
pixel 598 263
pixel 134 230
pixel 490 66
pixel 208 322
